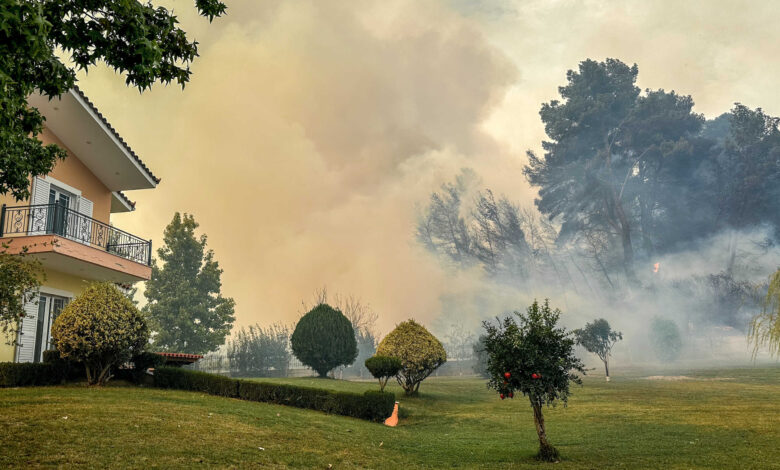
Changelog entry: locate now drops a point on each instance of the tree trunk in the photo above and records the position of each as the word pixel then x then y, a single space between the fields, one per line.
pixel 606 368
pixel 547 452
pixel 628 249
pixel 614 199
pixel 104 375
pixel 732 253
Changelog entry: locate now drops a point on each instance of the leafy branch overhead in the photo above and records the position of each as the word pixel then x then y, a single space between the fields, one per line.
pixel 136 39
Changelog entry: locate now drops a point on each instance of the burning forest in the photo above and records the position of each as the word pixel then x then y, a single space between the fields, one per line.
pixel 648 214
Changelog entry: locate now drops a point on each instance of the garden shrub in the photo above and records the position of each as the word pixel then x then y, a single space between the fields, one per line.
pixel 146 360
pixel 419 351
pixel 51 356
pixel 102 329
pixel 140 363
pixel 382 368
pixel 183 379
pixel 324 339
pixel 371 405
pixel 68 369
pixel 666 338
pixel 25 374
pixel 284 394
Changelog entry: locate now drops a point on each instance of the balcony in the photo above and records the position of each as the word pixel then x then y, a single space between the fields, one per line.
pixel 64 239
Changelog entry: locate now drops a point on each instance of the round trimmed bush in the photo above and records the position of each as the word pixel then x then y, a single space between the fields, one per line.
pixel 418 350
pixel 324 339
pixel 101 328
pixel 382 368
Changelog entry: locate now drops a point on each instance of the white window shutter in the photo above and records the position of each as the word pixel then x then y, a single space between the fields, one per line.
pixel 39 214
pixel 84 225
pixel 26 348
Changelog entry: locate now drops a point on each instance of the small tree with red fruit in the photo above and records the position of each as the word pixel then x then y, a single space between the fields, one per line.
pixel 533 356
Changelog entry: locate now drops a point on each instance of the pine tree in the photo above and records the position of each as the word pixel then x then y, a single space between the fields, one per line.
pixel 185 305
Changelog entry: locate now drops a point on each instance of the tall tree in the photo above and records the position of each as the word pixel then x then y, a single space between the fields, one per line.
pixel 185 303
pixel 487 232
pixel 442 228
pixel 136 39
pixel 582 172
pixel 748 174
pixel 497 236
pixel 601 170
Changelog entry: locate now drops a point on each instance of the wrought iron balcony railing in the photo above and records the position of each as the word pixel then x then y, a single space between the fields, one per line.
pixel 56 219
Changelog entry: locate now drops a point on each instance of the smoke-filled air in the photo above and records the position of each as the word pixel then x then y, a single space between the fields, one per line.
pixel 333 157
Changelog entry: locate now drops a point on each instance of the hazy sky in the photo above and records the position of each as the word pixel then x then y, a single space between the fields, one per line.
pixel 312 131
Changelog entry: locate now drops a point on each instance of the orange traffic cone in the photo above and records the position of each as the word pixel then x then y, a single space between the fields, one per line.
pixel 393 419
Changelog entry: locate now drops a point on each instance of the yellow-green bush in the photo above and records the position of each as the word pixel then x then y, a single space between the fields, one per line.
pixel 418 350
pixel 101 328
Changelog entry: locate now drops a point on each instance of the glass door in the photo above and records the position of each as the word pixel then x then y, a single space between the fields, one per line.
pixel 59 203
pixel 43 308
pixel 49 308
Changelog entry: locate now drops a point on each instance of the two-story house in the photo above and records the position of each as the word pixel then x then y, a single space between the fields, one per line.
pixel 66 223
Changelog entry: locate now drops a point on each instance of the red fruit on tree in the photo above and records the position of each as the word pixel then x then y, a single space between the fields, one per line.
pixel 502 396
pixel 511 395
pixel 507 375
pixel 535 376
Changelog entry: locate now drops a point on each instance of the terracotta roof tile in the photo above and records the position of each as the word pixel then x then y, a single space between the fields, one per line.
pixel 126 199
pixel 180 355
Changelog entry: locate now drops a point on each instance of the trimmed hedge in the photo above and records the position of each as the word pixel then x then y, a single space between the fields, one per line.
pixel 25 374
pixel 371 406
pixel 183 379
pixel 142 362
pixel 68 369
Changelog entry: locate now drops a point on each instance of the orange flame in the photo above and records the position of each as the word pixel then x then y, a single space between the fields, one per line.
pixel 656 267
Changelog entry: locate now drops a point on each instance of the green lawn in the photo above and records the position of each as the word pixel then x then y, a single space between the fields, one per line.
pixel 718 419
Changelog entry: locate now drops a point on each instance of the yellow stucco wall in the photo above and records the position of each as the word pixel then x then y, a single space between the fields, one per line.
pixel 65 282
pixel 6 351
pixel 10 201
pixel 73 285
pixel 73 172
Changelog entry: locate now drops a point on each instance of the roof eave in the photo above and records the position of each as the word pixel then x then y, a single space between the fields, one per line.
pixel 82 99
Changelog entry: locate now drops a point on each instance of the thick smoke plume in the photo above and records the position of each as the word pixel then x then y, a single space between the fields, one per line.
pixel 312 132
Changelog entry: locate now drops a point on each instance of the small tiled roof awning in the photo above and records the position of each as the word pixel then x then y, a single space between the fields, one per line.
pixel 180 358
